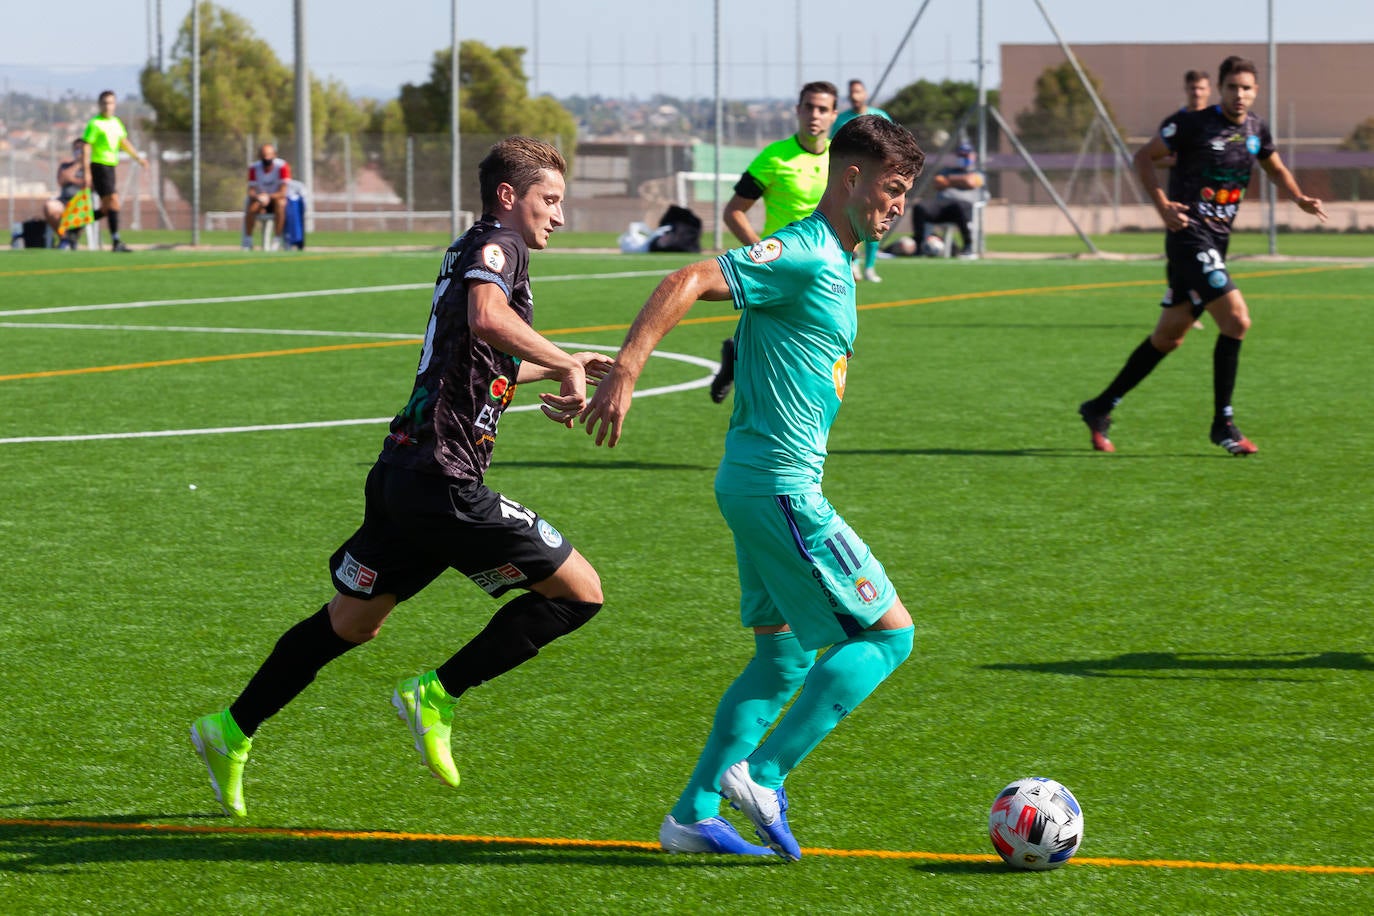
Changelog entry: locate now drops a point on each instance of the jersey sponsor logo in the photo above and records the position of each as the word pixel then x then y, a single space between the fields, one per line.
pixel 493 257
pixel 840 373
pixel 355 575
pixel 1252 145
pixel 770 249
pixel 549 534
pixel 498 388
pixel 492 580
pixel 1168 130
pixel 868 592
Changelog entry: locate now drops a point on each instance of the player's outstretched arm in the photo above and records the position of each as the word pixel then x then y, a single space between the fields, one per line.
pixel 491 318
pixel 1283 179
pixel 605 414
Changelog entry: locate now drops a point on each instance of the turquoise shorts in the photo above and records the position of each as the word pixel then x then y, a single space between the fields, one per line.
pixel 800 564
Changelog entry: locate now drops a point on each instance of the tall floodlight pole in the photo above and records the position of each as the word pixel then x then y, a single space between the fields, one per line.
pixel 159 36
pixel 455 192
pixel 797 19
pixel 305 140
pixel 720 113
pixel 1271 191
pixel 195 122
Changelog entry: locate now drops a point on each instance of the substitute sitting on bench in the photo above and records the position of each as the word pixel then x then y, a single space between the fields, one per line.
pixel 267 181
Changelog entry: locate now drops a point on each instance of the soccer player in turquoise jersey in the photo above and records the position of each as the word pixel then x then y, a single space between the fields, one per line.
pixel 858 105
pixel 790 176
pixel 806 578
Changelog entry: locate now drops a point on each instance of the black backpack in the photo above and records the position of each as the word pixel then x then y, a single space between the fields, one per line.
pixel 684 231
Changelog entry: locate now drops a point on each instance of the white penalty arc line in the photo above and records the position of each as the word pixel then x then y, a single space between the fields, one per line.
pixel 304 294
pixel 702 382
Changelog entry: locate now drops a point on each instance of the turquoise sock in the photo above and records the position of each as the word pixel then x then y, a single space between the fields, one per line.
pixel 747 710
pixel 870 255
pixel 839 682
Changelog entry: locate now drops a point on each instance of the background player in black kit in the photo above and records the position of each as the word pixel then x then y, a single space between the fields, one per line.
pixel 426 508
pixel 1215 149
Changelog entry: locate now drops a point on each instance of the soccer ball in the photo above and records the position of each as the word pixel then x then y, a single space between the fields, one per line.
pixel 1035 823
pixel 933 246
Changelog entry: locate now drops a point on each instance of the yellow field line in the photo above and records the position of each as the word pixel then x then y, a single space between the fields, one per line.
pixel 309 833
pixel 708 319
pixel 190 360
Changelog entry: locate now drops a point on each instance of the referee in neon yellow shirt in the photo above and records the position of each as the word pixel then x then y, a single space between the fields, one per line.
pixel 104 137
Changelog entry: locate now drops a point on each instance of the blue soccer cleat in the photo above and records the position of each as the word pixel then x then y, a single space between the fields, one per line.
pixel 715 834
pixel 767 808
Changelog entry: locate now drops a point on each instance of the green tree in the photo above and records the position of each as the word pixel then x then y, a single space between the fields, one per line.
pixel 1062 112
pixel 246 93
pixel 493 103
pixel 1361 185
pixel 927 109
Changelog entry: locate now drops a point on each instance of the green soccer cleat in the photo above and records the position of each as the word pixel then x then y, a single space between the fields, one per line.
pixel 428 712
pixel 225 750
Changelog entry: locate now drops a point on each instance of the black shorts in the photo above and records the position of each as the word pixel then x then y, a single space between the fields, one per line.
pixel 1197 271
pixel 415 526
pixel 103 179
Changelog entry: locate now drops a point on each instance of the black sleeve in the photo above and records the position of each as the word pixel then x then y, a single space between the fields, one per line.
pixel 748 187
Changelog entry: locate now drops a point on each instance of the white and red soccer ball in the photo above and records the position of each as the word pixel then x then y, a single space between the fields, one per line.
pixel 1035 823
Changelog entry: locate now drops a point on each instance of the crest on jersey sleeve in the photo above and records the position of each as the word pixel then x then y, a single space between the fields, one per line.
pixel 840 374
pixel 770 249
pixel 1252 145
pixel 1168 130
pixel 494 257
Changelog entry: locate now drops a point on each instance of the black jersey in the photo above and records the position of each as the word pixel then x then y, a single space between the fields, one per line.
pixel 1215 159
pixel 463 383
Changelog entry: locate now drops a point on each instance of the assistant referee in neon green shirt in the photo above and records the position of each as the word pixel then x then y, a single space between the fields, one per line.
pixel 104 137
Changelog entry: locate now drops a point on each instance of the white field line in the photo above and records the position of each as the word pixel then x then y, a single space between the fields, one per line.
pixel 709 365
pixel 302 294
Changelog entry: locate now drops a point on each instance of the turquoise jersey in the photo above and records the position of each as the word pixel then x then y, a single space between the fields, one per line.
pixel 795 294
pixel 849 114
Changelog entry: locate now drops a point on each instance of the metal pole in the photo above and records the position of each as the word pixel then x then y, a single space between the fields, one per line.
pixel 1117 143
pixel 1040 176
pixel 410 182
pixel 9 121
pixel 159 36
pixel 1271 191
pixel 720 113
pixel 455 191
pixel 305 141
pixel 900 45
pixel 195 122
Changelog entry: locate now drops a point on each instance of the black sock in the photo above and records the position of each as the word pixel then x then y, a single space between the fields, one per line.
pixel 113 218
pixel 295 660
pixel 1225 362
pixel 513 636
pixel 1139 364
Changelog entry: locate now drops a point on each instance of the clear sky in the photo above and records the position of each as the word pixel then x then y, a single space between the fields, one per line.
pixel 641 47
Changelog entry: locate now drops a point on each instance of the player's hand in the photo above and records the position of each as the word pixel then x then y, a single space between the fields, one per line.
pixel 567 405
pixel 596 365
pixel 1313 206
pixel 1175 215
pixel 604 416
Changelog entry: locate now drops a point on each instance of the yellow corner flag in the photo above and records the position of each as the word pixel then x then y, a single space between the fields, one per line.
pixel 77 213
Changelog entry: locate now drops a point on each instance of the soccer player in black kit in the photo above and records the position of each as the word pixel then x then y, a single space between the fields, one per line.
pixel 1215 149
pixel 426 509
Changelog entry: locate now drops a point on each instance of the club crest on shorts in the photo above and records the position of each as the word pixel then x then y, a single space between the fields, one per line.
pixel 493 257
pixel 770 249
pixel 550 534
pixel 355 575
pixel 867 590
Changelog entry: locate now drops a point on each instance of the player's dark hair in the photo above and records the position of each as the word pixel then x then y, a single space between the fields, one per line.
pixel 101 97
pixel 818 86
pixel 853 83
pixel 518 162
pixel 875 139
pixel 1196 76
pixel 1236 64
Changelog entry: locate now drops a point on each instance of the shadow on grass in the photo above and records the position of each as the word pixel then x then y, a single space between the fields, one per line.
pixel 61 845
pixel 1177 665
